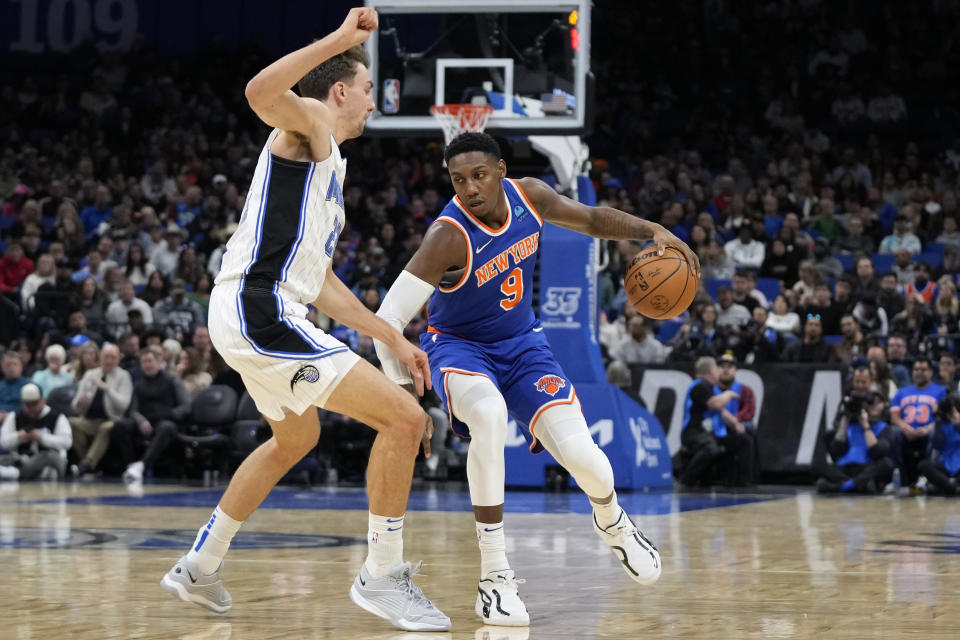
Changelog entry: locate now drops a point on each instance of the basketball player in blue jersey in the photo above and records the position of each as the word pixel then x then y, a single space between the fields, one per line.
pixel 489 357
pixel 277 262
pixel 913 411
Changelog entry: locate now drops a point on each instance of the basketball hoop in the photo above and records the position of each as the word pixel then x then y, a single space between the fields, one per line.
pixel 454 119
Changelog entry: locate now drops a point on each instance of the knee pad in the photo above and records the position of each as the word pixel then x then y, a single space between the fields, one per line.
pixel 477 402
pixel 563 431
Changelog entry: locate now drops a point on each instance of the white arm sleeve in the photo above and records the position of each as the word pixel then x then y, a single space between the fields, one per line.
pixel 405 298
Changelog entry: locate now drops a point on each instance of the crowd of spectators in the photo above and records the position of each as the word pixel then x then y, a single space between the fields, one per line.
pixel 821 197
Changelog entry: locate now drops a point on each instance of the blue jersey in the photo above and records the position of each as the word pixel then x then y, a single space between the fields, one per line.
pixel 918 407
pixel 733 406
pixel 858 451
pixel 947 441
pixel 493 299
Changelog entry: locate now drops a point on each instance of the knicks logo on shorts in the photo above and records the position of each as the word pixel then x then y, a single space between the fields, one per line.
pixel 306 372
pixel 550 384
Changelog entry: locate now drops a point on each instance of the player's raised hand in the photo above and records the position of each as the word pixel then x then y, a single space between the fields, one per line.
pixel 358 25
pixel 663 239
pixel 416 361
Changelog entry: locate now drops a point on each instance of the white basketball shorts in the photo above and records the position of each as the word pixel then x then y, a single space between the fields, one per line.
pixel 286 363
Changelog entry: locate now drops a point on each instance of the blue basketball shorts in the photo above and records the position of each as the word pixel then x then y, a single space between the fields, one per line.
pixel 522 368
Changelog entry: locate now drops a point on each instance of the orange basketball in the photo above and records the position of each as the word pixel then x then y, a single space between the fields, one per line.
pixel 660 287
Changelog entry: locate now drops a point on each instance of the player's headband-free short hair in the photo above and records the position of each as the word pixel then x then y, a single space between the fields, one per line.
pixel 472 141
pixel 340 68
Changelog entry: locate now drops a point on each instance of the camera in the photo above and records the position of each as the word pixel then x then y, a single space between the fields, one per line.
pixel 853 404
pixel 945 408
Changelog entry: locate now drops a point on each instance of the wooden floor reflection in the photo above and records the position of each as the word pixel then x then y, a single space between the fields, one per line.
pixel 800 566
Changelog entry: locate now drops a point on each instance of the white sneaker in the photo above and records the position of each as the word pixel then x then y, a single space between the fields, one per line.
pixel 133 472
pixel 395 597
pixel 498 600
pixel 9 473
pixel 640 559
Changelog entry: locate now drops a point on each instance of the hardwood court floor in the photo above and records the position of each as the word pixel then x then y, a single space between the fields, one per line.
pixel 84 561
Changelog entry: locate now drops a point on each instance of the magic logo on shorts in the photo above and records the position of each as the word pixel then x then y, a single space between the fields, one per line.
pixel 306 372
pixel 550 384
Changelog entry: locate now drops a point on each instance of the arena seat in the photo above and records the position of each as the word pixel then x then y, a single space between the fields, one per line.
pixel 846 259
pixel 769 287
pixel 930 258
pixel 246 430
pixel 668 329
pixel 205 437
pixel 713 284
pixel 882 262
pixel 60 398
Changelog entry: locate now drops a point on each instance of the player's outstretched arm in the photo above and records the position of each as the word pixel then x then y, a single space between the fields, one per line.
pixel 443 249
pixel 338 302
pixel 601 222
pixel 269 92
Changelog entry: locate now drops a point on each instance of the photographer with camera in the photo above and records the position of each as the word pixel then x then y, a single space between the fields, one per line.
pixel 860 446
pixel 942 465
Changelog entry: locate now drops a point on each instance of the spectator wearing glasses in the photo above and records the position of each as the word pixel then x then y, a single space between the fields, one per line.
pixel 54 375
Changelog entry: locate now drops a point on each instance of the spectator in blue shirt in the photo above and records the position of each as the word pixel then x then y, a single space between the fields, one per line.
pixel 860 448
pixel 98 212
pixel 913 412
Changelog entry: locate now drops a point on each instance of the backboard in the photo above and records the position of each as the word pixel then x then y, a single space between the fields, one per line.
pixel 529 60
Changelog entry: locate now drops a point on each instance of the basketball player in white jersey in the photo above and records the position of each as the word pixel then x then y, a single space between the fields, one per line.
pixel 277 262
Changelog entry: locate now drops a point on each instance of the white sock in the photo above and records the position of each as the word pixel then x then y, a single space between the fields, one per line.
pixel 607 514
pixel 384 544
pixel 212 541
pixel 493 547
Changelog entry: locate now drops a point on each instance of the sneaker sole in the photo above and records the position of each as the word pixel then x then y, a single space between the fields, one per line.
pixel 499 621
pixel 178 590
pixel 401 623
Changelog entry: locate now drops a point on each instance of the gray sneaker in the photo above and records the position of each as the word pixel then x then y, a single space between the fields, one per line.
pixel 187 583
pixel 394 597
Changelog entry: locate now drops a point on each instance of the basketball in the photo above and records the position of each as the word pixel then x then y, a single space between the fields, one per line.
pixel 660 286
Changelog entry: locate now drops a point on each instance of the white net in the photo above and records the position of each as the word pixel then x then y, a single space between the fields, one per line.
pixel 454 119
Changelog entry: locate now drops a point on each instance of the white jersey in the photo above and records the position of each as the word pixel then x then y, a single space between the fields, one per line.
pixel 274 265
pixel 290 225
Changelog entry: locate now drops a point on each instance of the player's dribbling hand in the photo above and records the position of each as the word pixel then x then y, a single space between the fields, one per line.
pixel 662 238
pixel 427 435
pixel 358 25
